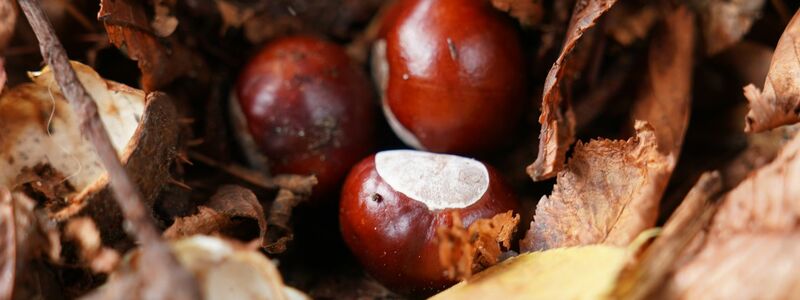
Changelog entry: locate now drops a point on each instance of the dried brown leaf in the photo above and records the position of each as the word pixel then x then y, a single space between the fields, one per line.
pixel 100 259
pixel 557 119
pixel 606 195
pixel 778 103
pixel 664 99
pixel 725 22
pixel 219 215
pixel 527 12
pixel 643 279
pixel 463 251
pixel 279 231
pixel 160 61
pixel 750 251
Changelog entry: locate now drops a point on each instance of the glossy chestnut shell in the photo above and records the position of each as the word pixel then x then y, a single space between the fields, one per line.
pixel 451 74
pixel 308 108
pixel 394 236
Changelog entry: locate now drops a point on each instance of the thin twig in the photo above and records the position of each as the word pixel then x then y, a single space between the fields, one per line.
pixel 171 280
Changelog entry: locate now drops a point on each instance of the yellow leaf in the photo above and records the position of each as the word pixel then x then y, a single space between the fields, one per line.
pixel 565 273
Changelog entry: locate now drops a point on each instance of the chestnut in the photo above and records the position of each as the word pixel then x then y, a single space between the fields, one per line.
pixel 393 202
pixel 303 104
pixel 451 74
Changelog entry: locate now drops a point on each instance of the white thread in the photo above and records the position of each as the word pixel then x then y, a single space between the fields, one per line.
pixel 63 149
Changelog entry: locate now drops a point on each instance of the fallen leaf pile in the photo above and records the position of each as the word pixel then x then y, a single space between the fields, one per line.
pixel 659 157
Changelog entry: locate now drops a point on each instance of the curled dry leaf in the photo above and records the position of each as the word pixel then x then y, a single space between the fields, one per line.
pixel 527 12
pixel 750 251
pixel 280 233
pixel 27 243
pixel 568 273
pixel 778 103
pixel 83 230
pixel 610 190
pixel 160 61
pixel 40 129
pixel 725 22
pixel 606 195
pixel 223 269
pixel 222 214
pixel 557 119
pixel 463 251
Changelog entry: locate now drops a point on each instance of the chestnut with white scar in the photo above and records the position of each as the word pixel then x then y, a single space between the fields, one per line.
pixel 393 202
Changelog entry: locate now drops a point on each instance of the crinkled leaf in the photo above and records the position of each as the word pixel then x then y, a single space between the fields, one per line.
pixel 160 60
pixel 220 214
pixel 606 195
pixel 725 22
pixel 557 120
pixel 751 246
pixel 566 273
pixel 778 103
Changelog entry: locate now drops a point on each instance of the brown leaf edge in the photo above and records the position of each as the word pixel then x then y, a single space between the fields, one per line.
pixel 779 102
pixel 557 119
pixel 464 251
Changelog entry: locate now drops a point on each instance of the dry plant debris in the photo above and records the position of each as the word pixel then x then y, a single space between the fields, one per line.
pixel 464 251
pixel 222 213
pixel 778 102
pixel 557 119
pixel 161 62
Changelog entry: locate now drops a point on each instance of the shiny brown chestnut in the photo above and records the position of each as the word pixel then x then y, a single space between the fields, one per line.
pixel 302 103
pixel 393 202
pixel 451 74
